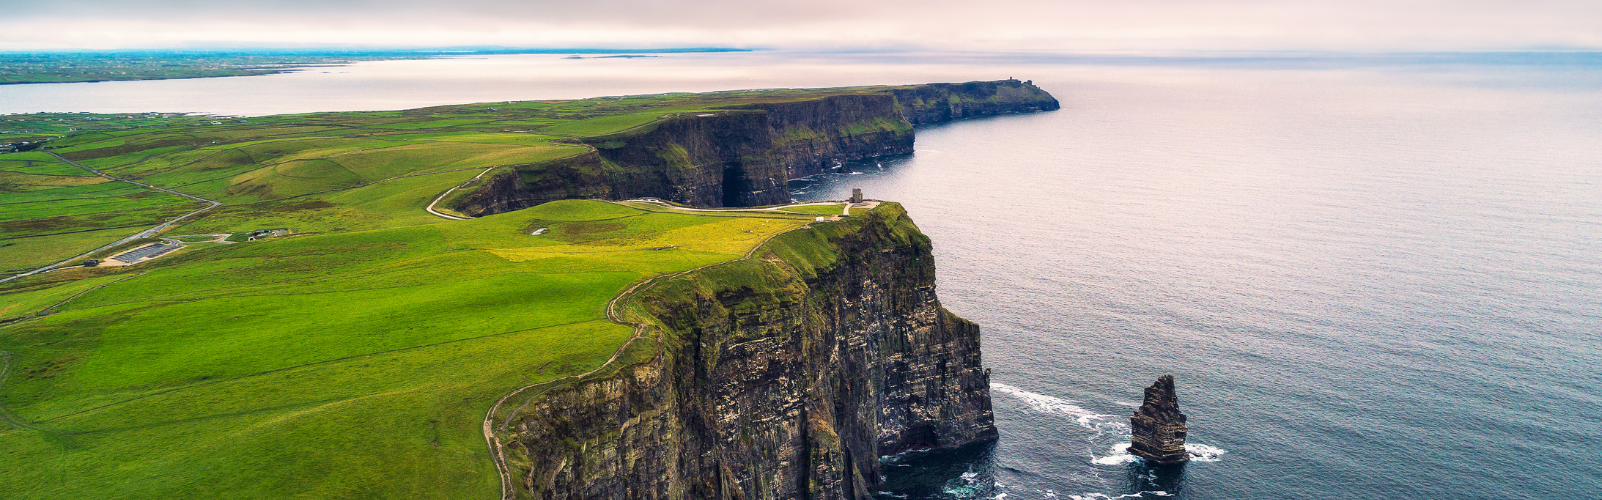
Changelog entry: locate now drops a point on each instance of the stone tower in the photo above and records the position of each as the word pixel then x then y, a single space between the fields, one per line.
pixel 856 195
pixel 1157 429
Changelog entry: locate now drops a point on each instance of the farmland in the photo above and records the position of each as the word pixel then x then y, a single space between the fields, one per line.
pixel 315 173
pixel 259 368
pixel 355 356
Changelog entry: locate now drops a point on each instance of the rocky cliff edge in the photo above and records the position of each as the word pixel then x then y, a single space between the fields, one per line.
pixel 785 375
pixel 745 153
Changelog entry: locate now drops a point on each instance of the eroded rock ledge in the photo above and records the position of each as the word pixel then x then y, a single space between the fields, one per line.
pixel 744 154
pixel 784 376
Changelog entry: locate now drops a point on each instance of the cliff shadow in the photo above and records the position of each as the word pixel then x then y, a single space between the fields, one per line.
pixel 836 183
pixel 1147 480
pixel 965 472
pixel 735 186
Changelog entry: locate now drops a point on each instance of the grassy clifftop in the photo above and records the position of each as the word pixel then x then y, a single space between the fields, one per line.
pixel 785 375
pixel 370 170
pixel 353 364
pixel 355 356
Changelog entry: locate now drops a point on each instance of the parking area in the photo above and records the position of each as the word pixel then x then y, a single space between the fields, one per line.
pixel 146 252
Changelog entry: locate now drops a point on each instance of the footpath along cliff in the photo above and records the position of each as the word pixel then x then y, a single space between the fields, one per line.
pixel 745 154
pixel 785 375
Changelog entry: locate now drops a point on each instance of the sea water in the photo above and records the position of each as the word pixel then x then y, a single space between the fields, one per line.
pixel 1372 277
pixel 1368 282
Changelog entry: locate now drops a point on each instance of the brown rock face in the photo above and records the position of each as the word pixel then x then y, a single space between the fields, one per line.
pixel 1157 429
pixel 771 381
pixel 746 154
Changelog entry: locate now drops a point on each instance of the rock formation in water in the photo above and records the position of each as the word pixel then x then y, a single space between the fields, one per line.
pixel 785 376
pixel 745 153
pixel 1157 429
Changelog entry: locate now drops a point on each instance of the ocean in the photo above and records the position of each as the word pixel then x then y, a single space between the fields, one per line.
pixel 1371 276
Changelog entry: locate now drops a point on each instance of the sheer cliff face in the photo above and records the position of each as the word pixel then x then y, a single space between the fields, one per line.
pixel 744 155
pixel 943 102
pixel 787 376
pixel 812 136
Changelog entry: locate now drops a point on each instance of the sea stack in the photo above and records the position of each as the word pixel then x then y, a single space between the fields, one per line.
pixel 1157 429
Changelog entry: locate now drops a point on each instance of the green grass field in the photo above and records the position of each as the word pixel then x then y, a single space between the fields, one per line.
pixel 311 172
pixel 354 358
pixel 347 364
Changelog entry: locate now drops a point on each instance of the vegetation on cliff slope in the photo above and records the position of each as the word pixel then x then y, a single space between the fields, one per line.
pixel 326 171
pixel 354 357
pixel 778 268
pixel 352 364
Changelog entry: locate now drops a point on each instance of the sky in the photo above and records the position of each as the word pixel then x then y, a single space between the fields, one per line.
pixel 1009 25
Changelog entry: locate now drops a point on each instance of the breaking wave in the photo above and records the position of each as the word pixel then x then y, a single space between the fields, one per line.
pixel 1100 496
pixel 1047 404
pixel 1119 454
pixel 1204 453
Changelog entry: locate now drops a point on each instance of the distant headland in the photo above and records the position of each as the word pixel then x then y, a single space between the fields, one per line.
pixel 125 65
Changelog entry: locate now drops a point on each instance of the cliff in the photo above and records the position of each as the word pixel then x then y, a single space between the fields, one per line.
pixel 787 375
pixel 943 102
pixel 745 153
pixel 1157 428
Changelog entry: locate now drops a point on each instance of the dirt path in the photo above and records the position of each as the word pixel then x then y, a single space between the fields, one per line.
pixel 497 451
pixel 142 234
pixel 430 207
pixel 663 204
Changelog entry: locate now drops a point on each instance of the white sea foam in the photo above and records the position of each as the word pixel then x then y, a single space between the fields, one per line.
pixel 1119 454
pixel 1103 496
pixel 1204 453
pixel 1047 404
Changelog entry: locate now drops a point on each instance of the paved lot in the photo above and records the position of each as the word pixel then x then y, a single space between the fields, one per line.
pixel 149 252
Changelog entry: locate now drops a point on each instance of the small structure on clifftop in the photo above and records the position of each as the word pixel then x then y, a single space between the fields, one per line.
pixel 1157 429
pixel 856 195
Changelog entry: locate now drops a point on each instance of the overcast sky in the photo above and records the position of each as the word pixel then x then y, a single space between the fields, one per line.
pixel 1041 25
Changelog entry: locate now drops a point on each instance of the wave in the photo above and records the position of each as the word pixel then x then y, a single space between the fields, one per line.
pixel 1119 454
pixel 1138 494
pixel 1047 404
pixel 1204 453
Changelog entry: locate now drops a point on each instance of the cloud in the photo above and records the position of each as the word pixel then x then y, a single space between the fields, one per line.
pixel 1063 25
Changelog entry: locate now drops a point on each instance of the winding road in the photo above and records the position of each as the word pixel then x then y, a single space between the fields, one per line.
pixel 142 234
pixel 430 207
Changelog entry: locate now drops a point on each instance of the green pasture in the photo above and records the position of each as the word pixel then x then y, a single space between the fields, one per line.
pixel 79 206
pixel 354 358
pixel 18 254
pixel 600 126
pixel 353 364
pixel 391 203
pixel 830 209
pixel 61 224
